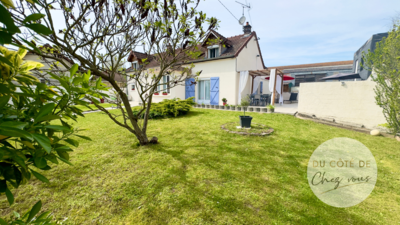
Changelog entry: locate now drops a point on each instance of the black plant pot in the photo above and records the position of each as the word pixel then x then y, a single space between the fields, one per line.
pixel 245 121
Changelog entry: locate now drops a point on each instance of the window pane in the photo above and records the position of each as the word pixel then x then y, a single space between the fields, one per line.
pixel 168 84
pixel 207 89
pixel 201 90
pixel 216 52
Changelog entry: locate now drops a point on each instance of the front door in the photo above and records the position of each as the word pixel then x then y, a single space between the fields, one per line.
pixel 203 95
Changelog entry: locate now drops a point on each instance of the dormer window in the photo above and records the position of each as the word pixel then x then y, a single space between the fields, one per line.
pixel 213 51
pixel 135 65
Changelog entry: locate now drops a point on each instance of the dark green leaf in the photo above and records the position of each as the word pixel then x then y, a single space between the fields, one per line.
pixel 10 196
pixel 48 118
pixel 43 215
pixel 73 69
pixel 33 17
pixel 63 155
pixel 66 161
pixel 83 137
pixel 14 132
pixel 14 124
pixel 43 141
pixel 58 127
pixel 6 19
pixel 5 38
pixel 2 222
pixel 40 162
pixel 4 100
pixel 18 175
pixel 3 186
pixel 40 176
pixel 52 158
pixel 39 28
pixel 45 110
pixel 35 209
pixel 72 142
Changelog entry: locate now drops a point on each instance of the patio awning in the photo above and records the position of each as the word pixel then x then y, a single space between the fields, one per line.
pixel 266 72
pixel 342 76
pixel 285 77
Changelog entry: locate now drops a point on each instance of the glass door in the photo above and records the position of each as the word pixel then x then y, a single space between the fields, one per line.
pixel 204 92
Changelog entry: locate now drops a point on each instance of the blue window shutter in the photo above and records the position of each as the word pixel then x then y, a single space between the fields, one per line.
pixel 214 95
pixel 261 87
pixel 189 88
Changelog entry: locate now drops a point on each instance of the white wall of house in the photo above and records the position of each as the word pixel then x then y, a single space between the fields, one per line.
pixel 226 71
pixel 248 60
pixel 353 103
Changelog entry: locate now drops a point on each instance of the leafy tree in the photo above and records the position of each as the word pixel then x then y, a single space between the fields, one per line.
pixel 100 35
pixel 384 63
pixel 30 141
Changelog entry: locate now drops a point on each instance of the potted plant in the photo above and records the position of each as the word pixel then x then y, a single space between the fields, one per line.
pixel 239 108
pixel 203 105
pixel 264 110
pixel 224 101
pixel 245 121
pixel 156 93
pixel 207 106
pixel 164 93
pixel 271 108
pixel 216 106
pixel 213 106
pixel 221 106
pixel 233 107
pixel 227 106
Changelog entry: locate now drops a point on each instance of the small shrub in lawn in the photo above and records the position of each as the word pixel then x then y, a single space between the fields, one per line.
pixel 168 108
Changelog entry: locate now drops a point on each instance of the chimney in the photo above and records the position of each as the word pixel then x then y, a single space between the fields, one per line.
pixel 247 28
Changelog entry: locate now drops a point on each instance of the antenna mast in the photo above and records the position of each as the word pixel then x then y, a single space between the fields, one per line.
pixel 243 18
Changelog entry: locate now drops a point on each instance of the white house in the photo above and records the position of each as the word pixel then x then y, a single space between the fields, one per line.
pixel 221 65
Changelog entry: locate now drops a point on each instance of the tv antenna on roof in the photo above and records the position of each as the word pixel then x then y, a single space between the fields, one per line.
pixel 243 18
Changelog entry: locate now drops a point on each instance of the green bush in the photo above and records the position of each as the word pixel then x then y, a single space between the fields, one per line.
pixel 168 108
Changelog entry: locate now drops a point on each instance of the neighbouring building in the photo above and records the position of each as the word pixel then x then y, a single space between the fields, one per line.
pixel 220 65
pixel 308 73
pixel 358 61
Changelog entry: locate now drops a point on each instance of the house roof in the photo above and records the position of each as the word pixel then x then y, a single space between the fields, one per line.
pixel 233 46
pixel 338 63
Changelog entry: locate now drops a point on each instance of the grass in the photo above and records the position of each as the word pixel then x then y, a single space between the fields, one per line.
pixel 104 105
pixel 255 128
pixel 200 174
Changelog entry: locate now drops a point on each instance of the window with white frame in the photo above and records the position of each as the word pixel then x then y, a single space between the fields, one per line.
pixel 135 65
pixel 163 85
pixel 213 51
pixel 133 87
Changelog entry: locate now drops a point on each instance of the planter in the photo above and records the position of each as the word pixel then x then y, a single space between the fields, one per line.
pixel 251 109
pixel 102 100
pixel 224 103
pixel 272 110
pixel 221 107
pixel 207 106
pixel 198 106
pixel 245 121
pixel 213 106
pixel 258 109
pixel 164 93
pixel 217 106
pixel 203 106
pixel 264 110
pixel 227 107
pixel 156 93
pixel 239 108
pixel 232 107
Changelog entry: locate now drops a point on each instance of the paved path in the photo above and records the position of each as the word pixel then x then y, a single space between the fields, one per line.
pixel 286 108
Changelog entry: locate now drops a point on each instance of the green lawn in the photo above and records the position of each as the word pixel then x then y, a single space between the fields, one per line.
pixel 200 174
pixel 104 105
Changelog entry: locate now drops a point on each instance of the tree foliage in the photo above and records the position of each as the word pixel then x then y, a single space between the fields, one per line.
pixel 101 34
pixel 384 63
pixel 31 140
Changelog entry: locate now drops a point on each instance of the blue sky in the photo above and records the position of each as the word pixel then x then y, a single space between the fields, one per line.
pixel 307 31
